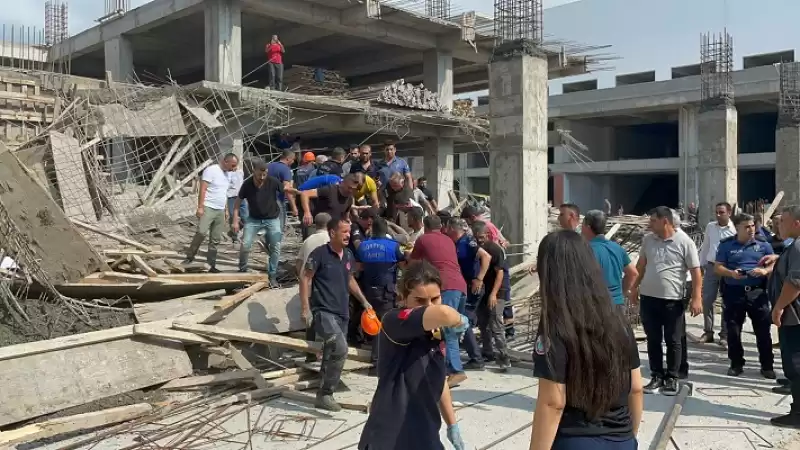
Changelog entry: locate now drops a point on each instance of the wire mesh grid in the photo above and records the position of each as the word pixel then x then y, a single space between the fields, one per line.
pixel 789 103
pixel 439 9
pixel 518 19
pixel 716 67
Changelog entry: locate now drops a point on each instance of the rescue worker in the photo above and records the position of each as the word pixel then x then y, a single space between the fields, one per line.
pixel 743 293
pixel 783 289
pixel 324 284
pixel 474 263
pixel 412 396
pixel 379 258
pixel 490 307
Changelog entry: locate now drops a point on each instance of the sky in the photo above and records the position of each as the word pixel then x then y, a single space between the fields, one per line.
pixel 83 13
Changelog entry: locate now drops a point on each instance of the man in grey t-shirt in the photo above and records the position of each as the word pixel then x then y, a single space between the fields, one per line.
pixel 783 289
pixel 665 257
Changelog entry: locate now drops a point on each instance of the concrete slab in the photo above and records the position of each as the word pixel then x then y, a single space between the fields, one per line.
pixel 495 412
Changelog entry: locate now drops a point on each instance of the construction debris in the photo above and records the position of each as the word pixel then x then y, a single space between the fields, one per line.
pixel 405 95
pixel 314 81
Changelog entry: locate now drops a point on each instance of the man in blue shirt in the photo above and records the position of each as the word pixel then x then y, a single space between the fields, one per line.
pixel 282 170
pixel 379 258
pixel 474 263
pixel 319 181
pixel 618 270
pixel 393 164
pixel 744 293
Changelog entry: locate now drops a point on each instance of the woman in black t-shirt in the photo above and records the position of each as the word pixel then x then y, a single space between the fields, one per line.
pixel 585 356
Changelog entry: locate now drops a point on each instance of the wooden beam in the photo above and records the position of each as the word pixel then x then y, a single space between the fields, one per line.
pixel 264 338
pixel 155 183
pixel 139 262
pixel 183 182
pixel 159 331
pixel 209 380
pixel 74 423
pixel 230 301
pixel 66 342
pixel 107 234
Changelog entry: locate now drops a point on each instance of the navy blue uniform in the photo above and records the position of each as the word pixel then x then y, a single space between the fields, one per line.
pixel 467 252
pixel 746 297
pixel 378 280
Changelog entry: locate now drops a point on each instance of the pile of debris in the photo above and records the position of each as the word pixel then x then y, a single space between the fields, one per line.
pixel 400 93
pixel 315 81
pixel 463 108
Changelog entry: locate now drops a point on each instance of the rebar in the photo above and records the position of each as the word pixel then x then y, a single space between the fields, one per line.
pixel 518 20
pixel 56 21
pixel 789 103
pixel 716 70
pixel 439 9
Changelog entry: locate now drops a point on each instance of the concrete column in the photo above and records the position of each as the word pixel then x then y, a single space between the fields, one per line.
pixel 119 59
pixel 223 41
pixel 518 142
pixel 787 161
pixel 437 75
pixel 687 148
pixel 438 167
pixel 718 164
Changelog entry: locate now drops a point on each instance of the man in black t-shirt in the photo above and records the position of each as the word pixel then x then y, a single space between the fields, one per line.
pixel 333 166
pixel 490 307
pixel 334 199
pixel 412 395
pixel 365 164
pixel 324 285
pixel 261 192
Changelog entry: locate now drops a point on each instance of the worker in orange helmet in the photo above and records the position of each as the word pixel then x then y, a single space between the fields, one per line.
pixel 412 395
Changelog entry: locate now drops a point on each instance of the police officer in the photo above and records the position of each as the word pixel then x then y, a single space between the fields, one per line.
pixel 744 293
pixel 379 257
pixel 783 290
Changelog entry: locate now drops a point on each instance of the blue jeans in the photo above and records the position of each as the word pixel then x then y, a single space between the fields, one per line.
pixel 272 238
pixel 456 300
pixel 470 342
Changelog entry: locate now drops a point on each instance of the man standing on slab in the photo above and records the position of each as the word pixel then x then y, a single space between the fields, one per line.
pixel 324 285
pixel 261 193
pixel 212 209
pixel 275 51
pixel 716 231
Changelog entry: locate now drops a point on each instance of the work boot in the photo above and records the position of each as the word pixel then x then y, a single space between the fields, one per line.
pixel 473 364
pixel 211 259
pixel 782 390
pixel 768 374
pixel 654 385
pixel 791 420
pixel 327 403
pixel 735 371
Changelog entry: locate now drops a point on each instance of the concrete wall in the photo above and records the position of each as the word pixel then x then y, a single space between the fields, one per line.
pixel 587 191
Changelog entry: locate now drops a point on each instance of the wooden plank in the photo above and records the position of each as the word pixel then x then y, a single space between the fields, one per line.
pixel 71 424
pixel 174 185
pixel 139 262
pixel 211 277
pixel 244 364
pixel 231 301
pixel 159 331
pixel 772 207
pixel 183 182
pixel 84 374
pixel 199 304
pixel 71 176
pixel 264 338
pixel 210 380
pixel 107 234
pixel 162 169
pixel 64 343
pixel 152 290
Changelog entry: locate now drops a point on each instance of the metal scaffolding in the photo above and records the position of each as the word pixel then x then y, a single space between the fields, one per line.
pixel 439 9
pixel 56 21
pixel 789 103
pixel 518 20
pixel 716 70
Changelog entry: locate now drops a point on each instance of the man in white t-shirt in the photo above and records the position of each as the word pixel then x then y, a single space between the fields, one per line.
pixel 212 209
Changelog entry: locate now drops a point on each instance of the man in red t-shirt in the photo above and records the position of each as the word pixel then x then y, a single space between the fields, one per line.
pixel 275 51
pixel 440 251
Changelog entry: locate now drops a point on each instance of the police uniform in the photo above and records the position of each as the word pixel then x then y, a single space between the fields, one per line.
pixel 746 297
pixel 467 251
pixel 379 257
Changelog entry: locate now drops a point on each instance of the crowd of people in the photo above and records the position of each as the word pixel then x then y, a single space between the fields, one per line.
pixel 372 243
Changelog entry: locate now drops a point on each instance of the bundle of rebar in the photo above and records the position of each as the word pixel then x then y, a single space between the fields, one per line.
pixel 406 95
pixel 314 81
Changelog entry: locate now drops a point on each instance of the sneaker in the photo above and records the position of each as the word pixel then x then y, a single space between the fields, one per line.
pixel 735 371
pixel 782 390
pixel 670 387
pixel 788 421
pixel 187 261
pixel 768 374
pixel 456 379
pixel 722 342
pixel 707 337
pixel 214 270
pixel 654 385
pixel 504 364
pixel 782 381
pixel 473 364
pixel 327 403
pixel 488 358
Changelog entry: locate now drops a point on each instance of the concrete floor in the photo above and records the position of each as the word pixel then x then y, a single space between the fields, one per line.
pixel 495 412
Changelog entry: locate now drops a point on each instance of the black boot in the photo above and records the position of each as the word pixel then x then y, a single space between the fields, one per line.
pixel 244 257
pixel 211 258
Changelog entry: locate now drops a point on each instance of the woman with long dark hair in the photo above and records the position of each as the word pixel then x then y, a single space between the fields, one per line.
pixel 585 356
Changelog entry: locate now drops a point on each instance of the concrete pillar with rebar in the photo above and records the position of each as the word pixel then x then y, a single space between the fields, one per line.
pixel 787 135
pixel 717 124
pixel 119 59
pixel 223 41
pixel 437 71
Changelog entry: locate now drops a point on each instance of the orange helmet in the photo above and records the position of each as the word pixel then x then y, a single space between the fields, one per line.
pixel 370 322
pixel 309 157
